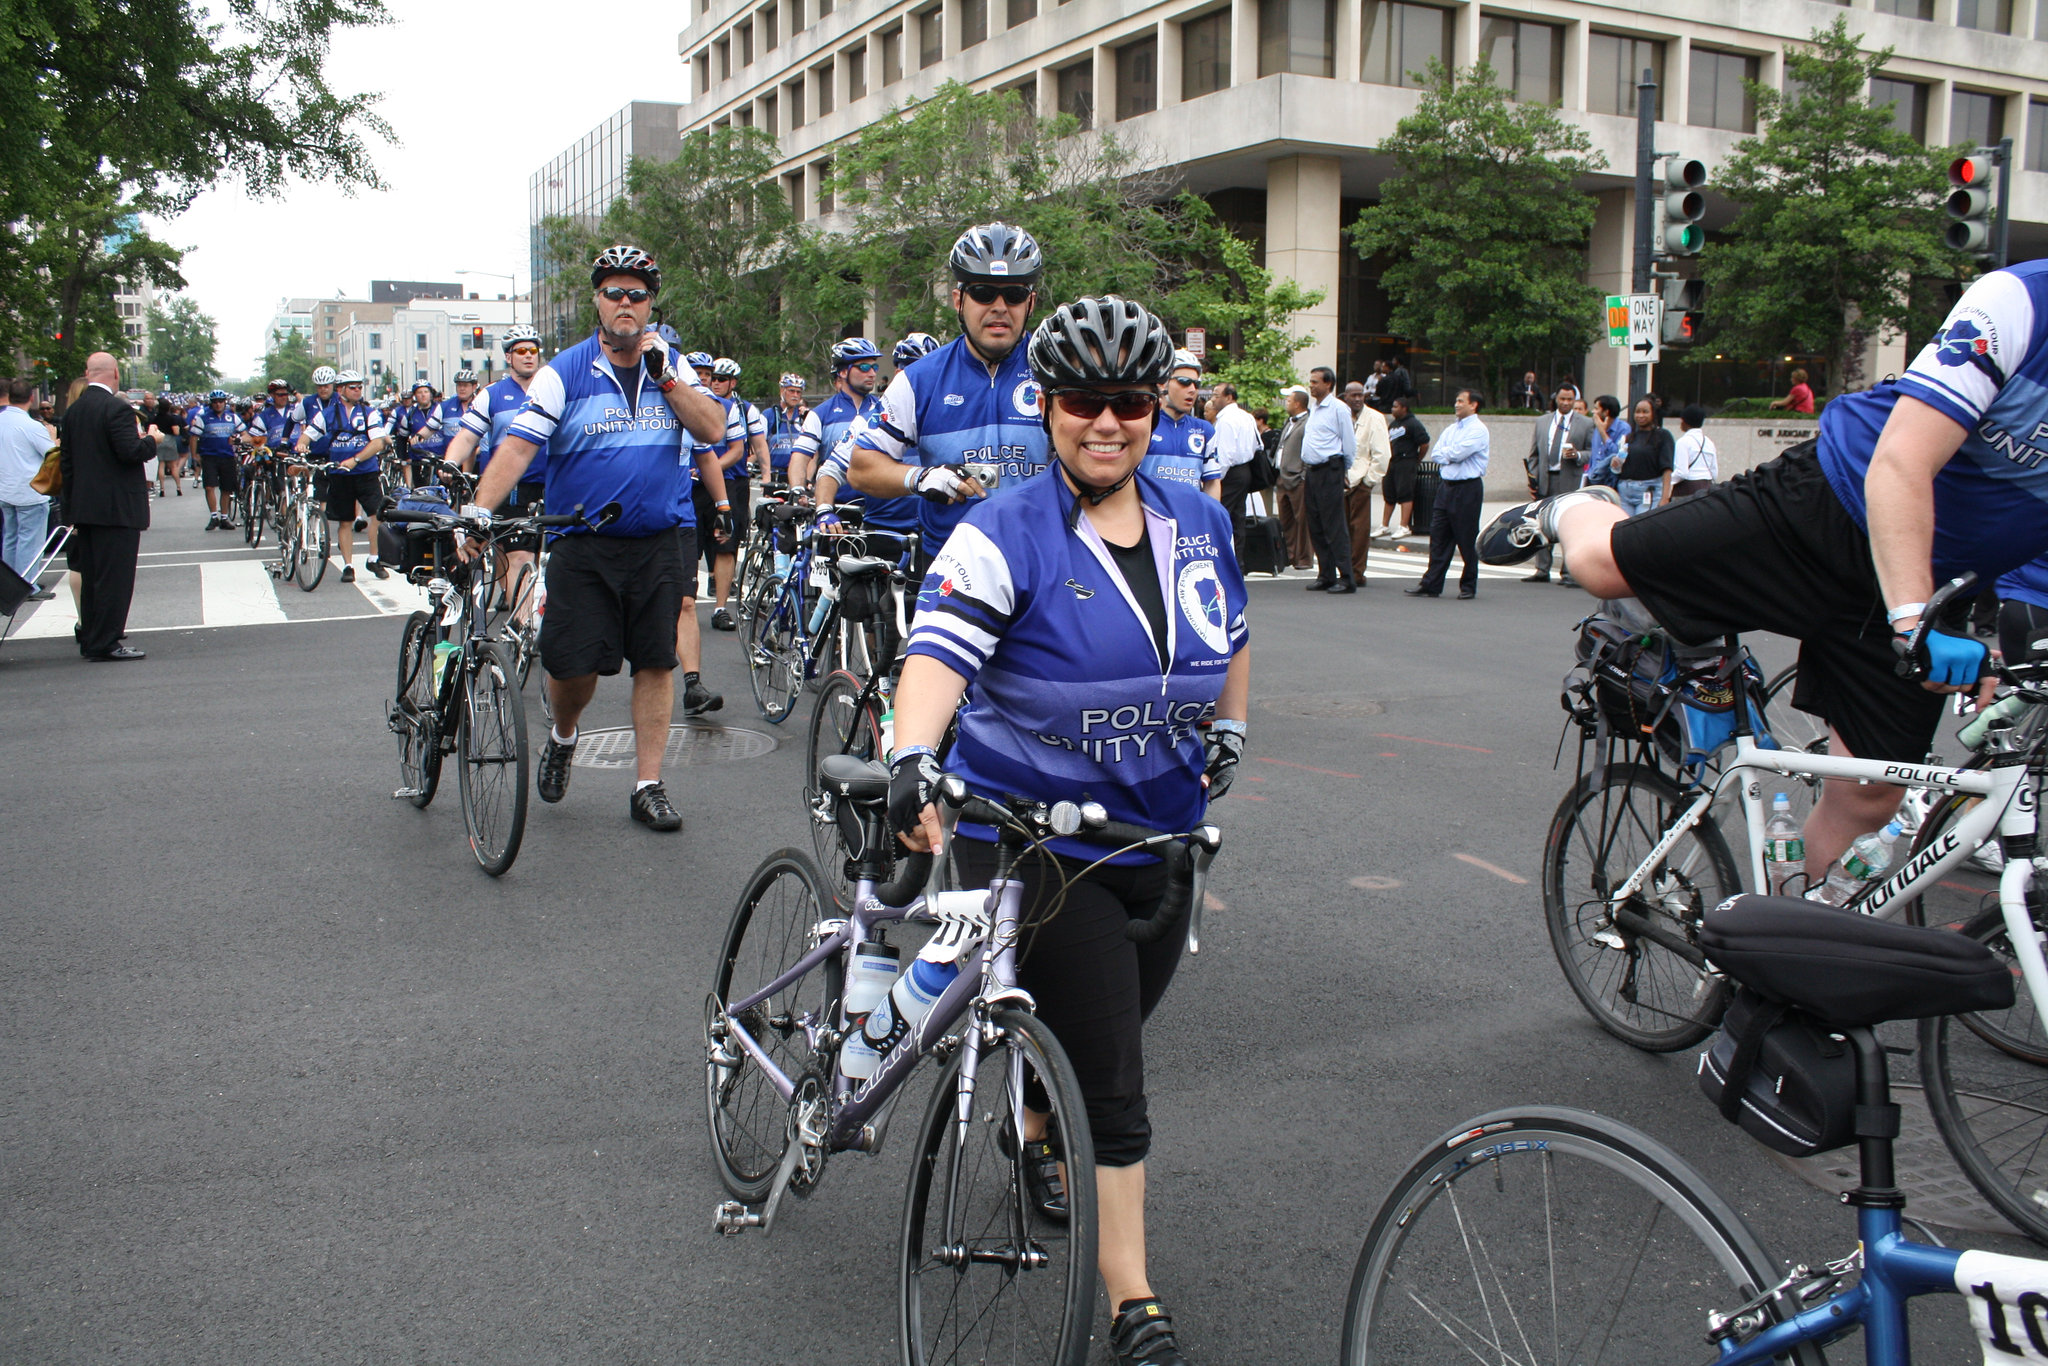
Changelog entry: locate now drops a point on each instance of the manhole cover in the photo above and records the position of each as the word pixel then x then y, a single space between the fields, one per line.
pixel 1936 1189
pixel 1323 706
pixel 689 742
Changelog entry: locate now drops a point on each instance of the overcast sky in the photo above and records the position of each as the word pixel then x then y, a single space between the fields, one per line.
pixel 480 98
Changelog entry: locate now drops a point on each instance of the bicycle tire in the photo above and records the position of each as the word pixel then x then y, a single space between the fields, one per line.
pixel 773 926
pixel 1965 892
pixel 492 745
pixel 1608 966
pixel 524 641
pixel 840 724
pixel 1486 1263
pixel 1791 727
pixel 415 717
pixel 245 509
pixel 772 655
pixel 313 547
pixel 968 1161
pixel 1986 1081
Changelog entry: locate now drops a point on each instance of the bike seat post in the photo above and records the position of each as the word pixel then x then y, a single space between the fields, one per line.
pixel 1876 1196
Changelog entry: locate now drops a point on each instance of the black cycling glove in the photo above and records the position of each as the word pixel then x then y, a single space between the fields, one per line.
pixel 721 524
pixel 913 785
pixel 1222 747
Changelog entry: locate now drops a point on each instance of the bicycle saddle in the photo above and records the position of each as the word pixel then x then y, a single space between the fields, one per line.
pixel 860 780
pixel 853 566
pixel 1848 969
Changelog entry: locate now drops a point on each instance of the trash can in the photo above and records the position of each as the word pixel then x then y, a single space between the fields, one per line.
pixel 1426 482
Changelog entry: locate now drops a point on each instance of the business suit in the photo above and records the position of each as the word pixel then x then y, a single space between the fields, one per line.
pixel 107 501
pixel 1552 433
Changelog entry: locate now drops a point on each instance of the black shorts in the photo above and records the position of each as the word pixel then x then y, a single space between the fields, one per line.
pixel 1399 484
pixel 2021 626
pixel 736 493
pixel 524 496
pixel 1774 550
pixel 223 472
pixel 351 490
pixel 614 600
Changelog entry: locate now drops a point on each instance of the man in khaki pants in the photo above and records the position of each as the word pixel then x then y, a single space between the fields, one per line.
pixel 1368 467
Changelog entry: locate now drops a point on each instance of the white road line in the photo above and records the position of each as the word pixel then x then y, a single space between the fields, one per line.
pixel 50 619
pixel 394 597
pixel 224 550
pixel 237 594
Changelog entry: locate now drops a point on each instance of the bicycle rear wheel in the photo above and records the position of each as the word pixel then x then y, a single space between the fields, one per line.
pixel 985 1277
pixel 1986 1077
pixel 1642 975
pixel 841 723
pixel 1578 1239
pixel 313 546
pixel 491 743
pixel 413 716
pixel 774 658
pixel 774 925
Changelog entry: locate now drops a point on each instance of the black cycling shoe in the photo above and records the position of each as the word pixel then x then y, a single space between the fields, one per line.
pixel 652 808
pixel 1043 1188
pixel 376 567
pixel 553 778
pixel 1517 534
pixel 721 620
pixel 362 524
pixel 698 699
pixel 1141 1334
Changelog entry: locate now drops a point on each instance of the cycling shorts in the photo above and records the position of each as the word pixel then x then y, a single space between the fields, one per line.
pixel 350 492
pixel 523 497
pixel 736 492
pixel 1773 549
pixel 223 472
pixel 614 600
pixel 2020 625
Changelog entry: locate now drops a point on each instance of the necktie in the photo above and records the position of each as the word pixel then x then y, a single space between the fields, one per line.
pixel 1557 430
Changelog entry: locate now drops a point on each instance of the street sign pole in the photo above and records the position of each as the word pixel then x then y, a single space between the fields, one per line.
pixel 2001 231
pixel 1646 156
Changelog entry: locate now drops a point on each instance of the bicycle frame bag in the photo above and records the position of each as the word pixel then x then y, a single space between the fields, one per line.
pixel 1780 1074
pixel 1626 668
pixel 863 587
pixel 420 547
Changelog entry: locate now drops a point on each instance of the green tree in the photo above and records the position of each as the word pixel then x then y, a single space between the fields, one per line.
pixel 181 343
pixel 68 267
pixel 1482 225
pixel 290 358
pixel 1841 219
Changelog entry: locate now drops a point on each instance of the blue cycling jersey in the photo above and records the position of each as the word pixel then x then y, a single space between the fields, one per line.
pixel 303 413
pixel 1183 450
pixel 2028 583
pixel 783 430
pixel 346 431
pixel 610 437
pixel 489 416
pixel 840 422
pixel 277 425
pixel 217 431
pixel 1068 701
pixel 1986 370
pixel 948 409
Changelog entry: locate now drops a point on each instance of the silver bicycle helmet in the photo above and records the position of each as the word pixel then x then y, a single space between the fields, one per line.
pixel 916 346
pixel 725 367
pixel 323 375
pixel 517 333
pixel 1100 341
pixel 996 253
pixel 349 377
pixel 466 377
pixel 623 259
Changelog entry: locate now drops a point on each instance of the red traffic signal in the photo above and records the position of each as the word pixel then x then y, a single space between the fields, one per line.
pixel 476 336
pixel 1970 170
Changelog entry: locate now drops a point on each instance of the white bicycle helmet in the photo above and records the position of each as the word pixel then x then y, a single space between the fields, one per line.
pixel 324 375
pixel 349 377
pixel 1184 359
pixel 517 333
pixel 725 367
pixel 626 260
pixel 466 377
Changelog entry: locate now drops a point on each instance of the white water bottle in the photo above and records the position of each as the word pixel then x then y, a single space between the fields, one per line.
pixel 1784 849
pixel 875 969
pixel 910 1000
pixel 1865 862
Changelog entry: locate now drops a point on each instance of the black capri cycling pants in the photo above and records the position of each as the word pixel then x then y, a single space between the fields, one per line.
pixel 1093 986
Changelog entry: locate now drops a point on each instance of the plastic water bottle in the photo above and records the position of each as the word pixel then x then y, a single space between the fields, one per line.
pixel 875 969
pixel 1865 862
pixel 828 594
pixel 888 724
pixel 443 652
pixel 1784 849
pixel 910 1000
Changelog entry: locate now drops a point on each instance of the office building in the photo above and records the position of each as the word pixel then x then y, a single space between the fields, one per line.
pixel 1271 108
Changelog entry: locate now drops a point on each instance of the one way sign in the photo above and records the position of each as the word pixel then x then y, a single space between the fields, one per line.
pixel 1645 328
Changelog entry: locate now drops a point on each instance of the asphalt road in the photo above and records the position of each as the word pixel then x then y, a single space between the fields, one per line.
pixel 288 1079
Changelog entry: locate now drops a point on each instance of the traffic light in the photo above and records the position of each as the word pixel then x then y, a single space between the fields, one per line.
pixel 1973 202
pixel 1677 230
pixel 1684 302
pixel 476 337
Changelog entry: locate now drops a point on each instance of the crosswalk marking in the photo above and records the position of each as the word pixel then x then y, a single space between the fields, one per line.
pixel 238 593
pixel 52 619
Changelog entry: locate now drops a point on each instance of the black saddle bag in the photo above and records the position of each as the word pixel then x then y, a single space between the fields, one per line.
pixel 1780 1074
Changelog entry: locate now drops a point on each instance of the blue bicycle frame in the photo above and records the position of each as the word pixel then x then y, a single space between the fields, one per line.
pixel 1895 1268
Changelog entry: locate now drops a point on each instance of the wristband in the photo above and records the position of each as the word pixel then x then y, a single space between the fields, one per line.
pixel 910 476
pixel 1224 723
pixel 1909 609
pixel 910 752
pixel 723 507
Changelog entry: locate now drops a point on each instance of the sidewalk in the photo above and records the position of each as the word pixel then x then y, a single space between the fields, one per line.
pixel 1408 557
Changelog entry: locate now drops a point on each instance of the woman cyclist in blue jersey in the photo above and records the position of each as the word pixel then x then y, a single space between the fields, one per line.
pixel 1098 614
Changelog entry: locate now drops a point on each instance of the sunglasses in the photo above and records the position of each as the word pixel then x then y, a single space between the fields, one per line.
pixel 1182 379
pixel 524 351
pixel 1087 404
pixel 633 296
pixel 988 294
pixel 866 366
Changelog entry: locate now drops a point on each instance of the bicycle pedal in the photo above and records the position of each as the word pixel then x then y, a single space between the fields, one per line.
pixel 1609 939
pixel 406 794
pixel 732 1219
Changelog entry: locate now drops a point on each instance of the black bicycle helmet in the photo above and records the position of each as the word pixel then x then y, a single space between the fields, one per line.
pixel 625 260
pixel 996 253
pixel 1101 341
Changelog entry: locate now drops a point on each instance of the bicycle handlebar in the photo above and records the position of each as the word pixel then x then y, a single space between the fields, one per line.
pixel 606 515
pixel 1912 651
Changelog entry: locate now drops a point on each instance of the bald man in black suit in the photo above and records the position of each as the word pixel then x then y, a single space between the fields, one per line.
pixel 106 500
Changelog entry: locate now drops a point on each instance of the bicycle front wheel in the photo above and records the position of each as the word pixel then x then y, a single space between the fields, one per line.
pixel 313 546
pixel 413 715
pixel 774 659
pixel 1986 1076
pixel 1791 727
pixel 491 741
pixel 775 925
pixel 1575 1238
pixel 1638 969
pixel 986 1278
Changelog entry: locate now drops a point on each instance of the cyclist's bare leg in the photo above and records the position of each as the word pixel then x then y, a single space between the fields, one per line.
pixel 568 697
pixel 1847 808
pixel 654 705
pixel 721 578
pixel 1585 536
pixel 516 560
pixel 689 638
pixel 1120 1235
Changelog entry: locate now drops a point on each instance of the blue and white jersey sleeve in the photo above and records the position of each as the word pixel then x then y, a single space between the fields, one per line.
pixel 840 459
pixel 810 436
pixel 545 399
pixel 1980 347
pixel 896 430
pixel 476 419
pixel 969 599
pixel 757 424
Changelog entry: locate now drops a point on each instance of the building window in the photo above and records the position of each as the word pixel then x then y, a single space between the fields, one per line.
pixel 376 341
pixel 1614 67
pixel 769 114
pixel 1976 117
pixel 892 56
pixel 768 29
pixel 702 67
pixel 1905 9
pixel 1027 93
pixel 2037 135
pixel 824 8
pixel 1992 16
pixel 1298 36
pixel 131 329
pixel 856 73
pixel 1137 78
pixel 973 22
pixel 1022 12
pixel 724 46
pixel 823 76
pixel 1400 40
pixel 796 103
pixel 745 33
pixel 796 15
pixel 1527 57
pixel 419 341
pixel 931 29
pixel 793 190
pixel 418 375
pixel 1205 54
pixel 1077 91
pixel 824 170
pixel 743 117
pixel 330 334
pixel 1909 104
pixel 1719 98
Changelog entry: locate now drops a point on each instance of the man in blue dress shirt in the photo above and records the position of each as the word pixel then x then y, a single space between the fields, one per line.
pixel 1328 443
pixel 1460 454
